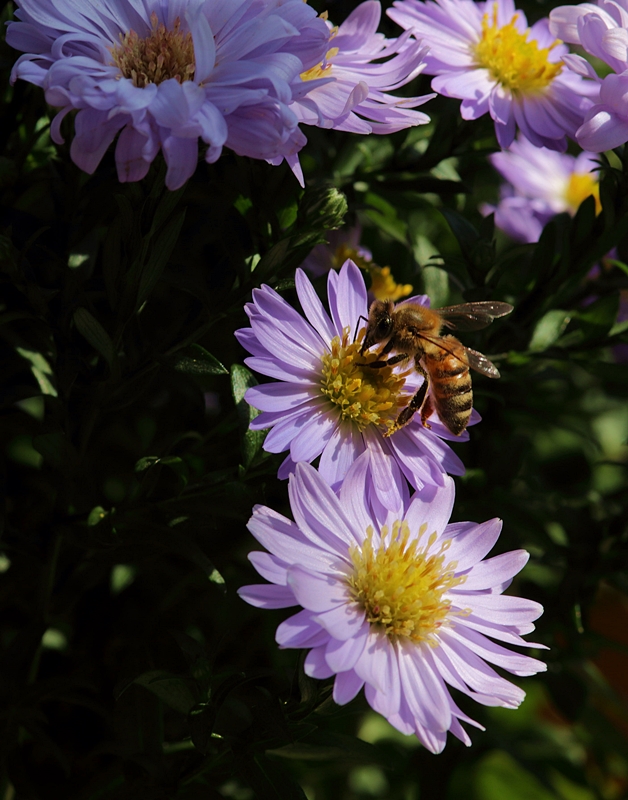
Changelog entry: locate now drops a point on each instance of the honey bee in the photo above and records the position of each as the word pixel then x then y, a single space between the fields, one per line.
pixel 414 331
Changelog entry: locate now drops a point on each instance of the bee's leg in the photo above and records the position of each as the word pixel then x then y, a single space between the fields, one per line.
pixel 415 404
pixel 390 362
pixel 426 411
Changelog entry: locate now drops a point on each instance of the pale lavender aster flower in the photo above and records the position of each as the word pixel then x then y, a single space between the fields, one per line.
pixel 540 183
pixel 163 75
pixel 366 67
pixel 403 605
pixel 602 31
pixel 325 402
pixel 485 55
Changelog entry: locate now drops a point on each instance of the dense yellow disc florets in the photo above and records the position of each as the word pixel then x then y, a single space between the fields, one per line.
pixel 511 60
pixel 580 186
pixel 401 586
pixel 161 55
pixel 365 396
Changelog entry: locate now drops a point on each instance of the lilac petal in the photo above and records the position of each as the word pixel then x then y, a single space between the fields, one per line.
pixel 317 592
pixel 278 369
pixel 203 42
pixel 349 301
pixel 342 622
pixel 496 654
pixel 269 567
pixel 299 631
pixel 385 473
pixel 283 539
pixel 450 674
pixel 494 571
pixel 603 130
pixel 131 163
pixel 479 676
pixel 346 687
pixel 285 426
pixel 289 321
pixel 470 544
pixel 386 701
pixel 503 609
pixel 432 506
pixel 94 134
pixel 181 157
pixel 267 595
pixel 279 396
pixel 313 308
pixel 283 347
pixel 343 655
pixel 503 633
pixel 373 664
pixel 315 665
pixel 500 102
pixel 314 435
pixel 354 495
pixel 423 688
pixel 318 512
pixel 343 448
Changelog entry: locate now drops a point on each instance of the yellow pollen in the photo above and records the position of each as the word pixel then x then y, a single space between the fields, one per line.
pixel 401 585
pixel 383 285
pixel 580 186
pixel 161 55
pixel 511 60
pixel 365 396
pixel 322 70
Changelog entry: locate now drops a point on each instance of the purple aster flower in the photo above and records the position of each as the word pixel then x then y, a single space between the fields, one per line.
pixel 485 55
pixel 345 243
pixel 402 604
pixel 163 75
pixel 603 32
pixel 540 184
pixel 326 402
pixel 366 67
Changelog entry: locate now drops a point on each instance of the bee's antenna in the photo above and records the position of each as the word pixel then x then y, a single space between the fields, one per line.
pixel 357 327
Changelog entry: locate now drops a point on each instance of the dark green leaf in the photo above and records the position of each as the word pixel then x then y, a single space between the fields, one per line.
pixel 269 781
pixel 57 451
pixel 195 360
pixel 89 327
pixel 161 250
pixel 252 441
pixel 174 690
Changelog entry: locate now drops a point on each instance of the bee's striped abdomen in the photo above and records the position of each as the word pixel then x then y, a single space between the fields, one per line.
pixel 451 385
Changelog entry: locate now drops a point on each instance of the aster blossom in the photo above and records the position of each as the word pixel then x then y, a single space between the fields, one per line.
pixel 486 55
pixel 403 605
pixel 326 402
pixel 358 100
pixel 602 30
pixel 164 75
pixel 540 183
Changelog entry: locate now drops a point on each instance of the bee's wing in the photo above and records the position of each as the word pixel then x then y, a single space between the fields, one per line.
pixel 480 363
pixel 473 316
pixel 474 359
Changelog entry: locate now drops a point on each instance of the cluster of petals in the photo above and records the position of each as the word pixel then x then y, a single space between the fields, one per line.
pixel 406 679
pixel 238 73
pixel 246 57
pixel 289 347
pixel 358 99
pixel 544 110
pixel 540 183
pixel 602 31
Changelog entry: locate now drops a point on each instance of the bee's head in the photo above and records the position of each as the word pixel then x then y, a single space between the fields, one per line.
pixel 380 324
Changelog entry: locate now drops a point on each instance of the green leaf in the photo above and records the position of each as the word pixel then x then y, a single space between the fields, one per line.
pixel 251 441
pixel 174 690
pixel 146 462
pixel 195 360
pixel 548 329
pixel 91 330
pixel 57 451
pixel 466 234
pixel 40 369
pixel 161 250
pixel 269 781
pixel 96 515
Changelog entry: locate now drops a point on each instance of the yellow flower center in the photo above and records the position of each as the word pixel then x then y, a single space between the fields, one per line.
pixel 321 70
pixel 580 186
pixel 365 396
pixel 511 60
pixel 383 285
pixel 161 55
pixel 402 586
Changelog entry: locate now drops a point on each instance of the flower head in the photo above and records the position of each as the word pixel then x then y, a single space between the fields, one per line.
pixel 485 55
pixel 540 184
pixel 163 75
pixel 365 67
pixel 602 31
pixel 327 402
pixel 345 243
pixel 401 604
